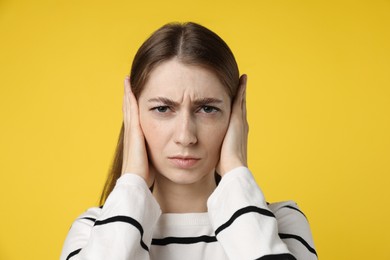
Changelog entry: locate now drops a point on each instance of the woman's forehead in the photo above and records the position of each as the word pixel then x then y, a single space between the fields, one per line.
pixel 175 78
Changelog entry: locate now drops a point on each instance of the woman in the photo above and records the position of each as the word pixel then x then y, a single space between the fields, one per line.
pixel 179 186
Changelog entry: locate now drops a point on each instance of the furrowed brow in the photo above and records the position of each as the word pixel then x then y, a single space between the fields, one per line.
pixel 206 101
pixel 165 101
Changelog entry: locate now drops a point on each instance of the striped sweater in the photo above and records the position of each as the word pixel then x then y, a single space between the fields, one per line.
pixel 239 224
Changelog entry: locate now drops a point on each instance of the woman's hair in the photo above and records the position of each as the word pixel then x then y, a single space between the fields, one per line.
pixel 191 44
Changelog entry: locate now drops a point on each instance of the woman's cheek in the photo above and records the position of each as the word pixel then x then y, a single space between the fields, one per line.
pixel 219 131
pixel 148 129
pixel 152 131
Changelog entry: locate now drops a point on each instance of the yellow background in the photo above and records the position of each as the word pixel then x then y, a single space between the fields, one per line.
pixel 318 101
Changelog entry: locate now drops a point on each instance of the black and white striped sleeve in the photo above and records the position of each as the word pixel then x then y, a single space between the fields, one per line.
pixel 244 224
pixel 121 229
pixel 294 229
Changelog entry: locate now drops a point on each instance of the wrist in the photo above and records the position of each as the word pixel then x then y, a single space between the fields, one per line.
pixel 230 167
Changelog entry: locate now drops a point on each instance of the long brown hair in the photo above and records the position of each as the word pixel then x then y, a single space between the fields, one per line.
pixel 192 44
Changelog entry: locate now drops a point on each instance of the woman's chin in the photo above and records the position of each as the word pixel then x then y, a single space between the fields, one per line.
pixel 183 176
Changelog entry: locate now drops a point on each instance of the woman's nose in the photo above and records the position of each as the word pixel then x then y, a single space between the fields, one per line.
pixel 185 130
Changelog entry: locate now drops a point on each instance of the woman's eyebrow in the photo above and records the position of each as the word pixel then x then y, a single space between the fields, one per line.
pixel 165 101
pixel 205 101
pixel 197 102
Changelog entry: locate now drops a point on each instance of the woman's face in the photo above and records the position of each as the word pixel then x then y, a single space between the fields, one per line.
pixel 184 114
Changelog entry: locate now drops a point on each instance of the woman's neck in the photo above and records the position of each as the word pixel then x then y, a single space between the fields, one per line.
pixel 183 198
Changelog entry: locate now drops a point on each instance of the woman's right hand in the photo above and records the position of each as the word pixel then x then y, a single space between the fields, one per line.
pixel 135 159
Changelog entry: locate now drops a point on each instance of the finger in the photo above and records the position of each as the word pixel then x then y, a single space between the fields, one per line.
pixel 237 105
pixel 127 86
pixel 125 97
pixel 126 124
pixel 134 114
pixel 126 101
pixel 245 80
pixel 244 105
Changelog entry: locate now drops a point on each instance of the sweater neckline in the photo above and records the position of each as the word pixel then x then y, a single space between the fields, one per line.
pixel 184 219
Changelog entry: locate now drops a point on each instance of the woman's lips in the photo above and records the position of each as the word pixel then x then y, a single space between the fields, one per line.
pixel 182 162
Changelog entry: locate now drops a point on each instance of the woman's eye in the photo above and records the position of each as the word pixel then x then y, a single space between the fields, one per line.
pixel 209 109
pixel 161 109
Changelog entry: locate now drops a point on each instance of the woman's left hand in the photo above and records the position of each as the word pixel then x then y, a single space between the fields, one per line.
pixel 234 146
